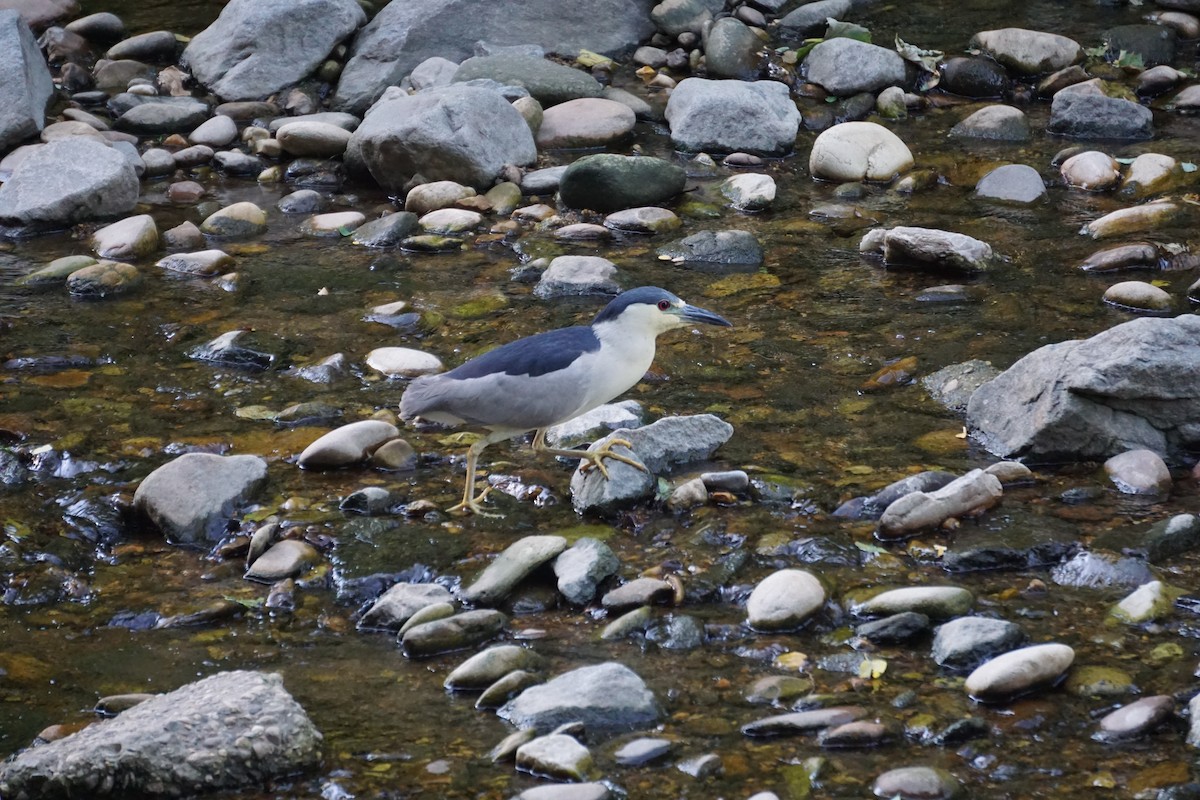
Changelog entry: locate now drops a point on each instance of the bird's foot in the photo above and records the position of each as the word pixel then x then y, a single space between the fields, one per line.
pixel 471 505
pixel 595 458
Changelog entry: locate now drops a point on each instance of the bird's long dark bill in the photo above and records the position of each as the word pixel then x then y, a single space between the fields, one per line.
pixel 694 314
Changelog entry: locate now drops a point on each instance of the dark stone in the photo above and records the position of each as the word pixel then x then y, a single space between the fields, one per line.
pixel 609 182
pixel 975 76
pixel 1154 43
pixel 894 629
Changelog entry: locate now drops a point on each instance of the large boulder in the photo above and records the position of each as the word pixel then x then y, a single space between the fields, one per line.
pixel 457 133
pixel 232 730
pixel 67 181
pixel 756 117
pixel 27 85
pixel 1133 386
pixel 402 35
pixel 257 47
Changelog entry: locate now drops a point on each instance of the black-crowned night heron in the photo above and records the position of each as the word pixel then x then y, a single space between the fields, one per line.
pixel 546 379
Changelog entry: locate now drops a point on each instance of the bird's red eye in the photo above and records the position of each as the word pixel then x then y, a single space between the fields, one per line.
pixel 663 305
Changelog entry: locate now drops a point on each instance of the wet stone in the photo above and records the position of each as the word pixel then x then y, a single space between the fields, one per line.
pixel 894 629
pixel 583 566
pixel 238 220
pixel 996 123
pixel 130 238
pixel 965 642
pixel 1150 602
pixel 285 559
pixel 569 276
pixel 1101 571
pixel 803 722
pixel 103 279
pixel 638 592
pixel 511 567
pixel 429 613
pixel 301 201
pixel 627 624
pixel 854 735
pixel 703 766
pixel 917 783
pixel 205 262
pixel 226 350
pixel 340 223
pixel 936 602
pixel 349 444
pixel 1136 719
pixel 485 668
pixel 784 600
pixel 1019 672
pixel 643 751
pixel 191 498
pixel 403 362
pixel 567 791
pixel 1139 471
pixel 556 756
pixel 1091 680
pixel 387 231
pixel 749 191
pixel 1011 183
pixel 506 687
pixel 597 422
pixel 645 219
pixel 603 697
pixel 716 251
pixel 395 606
pixel 459 632
pixel 372 501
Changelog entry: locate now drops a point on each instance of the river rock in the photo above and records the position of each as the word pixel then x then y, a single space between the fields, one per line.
pixel 287 558
pixel 205 262
pixel 313 138
pixel 644 219
pixel 1136 719
pixel 935 602
pixel 974 76
pixel 468 629
pixel 450 221
pixel 803 722
pixel 641 751
pixel 1139 296
pixel 1130 387
pixel 56 271
pixel 974 492
pixel 856 151
pixel 226 351
pixel 965 642
pixel 1012 183
pixel 435 195
pixel 511 567
pixel 928 247
pixel 676 17
pixel 1080 113
pixel 845 67
pixel 1163 540
pixel 893 629
pixel 577 275
pixel 567 791
pixel 667 443
pixel 1150 602
pixel 235 221
pixel 997 123
pixel 644 591
pixel 217 131
pixel 1146 217
pixel 387 231
pixel 155 47
pixel 403 362
pixel 130 238
pixel 605 697
pixel 757 117
pixel 597 422
pixel 1028 52
pixel 302 201
pixel 1154 43
pixel 732 50
pixel 67 181
pixel 24 95
pixel 917 783
pixel 230 731
pixel 749 191
pixel 784 600
pixel 1149 174
pixel 609 182
pixel 556 756
pixel 549 83
pixel 1091 170
pixel 1139 472
pixel 193 498
pixel 156 116
pixel 402 35
pixel 103 26
pixel 1019 672
pixel 582 567
pixel 585 122
pixel 488 666
pixel 397 605
pixel 252 49
pixel 716 251
pixel 1091 570
pixel 103 279
pixel 349 444
pixel 460 133
pixel 873 506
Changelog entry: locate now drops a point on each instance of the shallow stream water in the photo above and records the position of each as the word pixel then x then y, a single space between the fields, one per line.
pixel 809 330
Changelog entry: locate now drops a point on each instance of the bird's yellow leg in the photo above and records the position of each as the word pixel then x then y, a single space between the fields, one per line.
pixel 593 457
pixel 471 501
